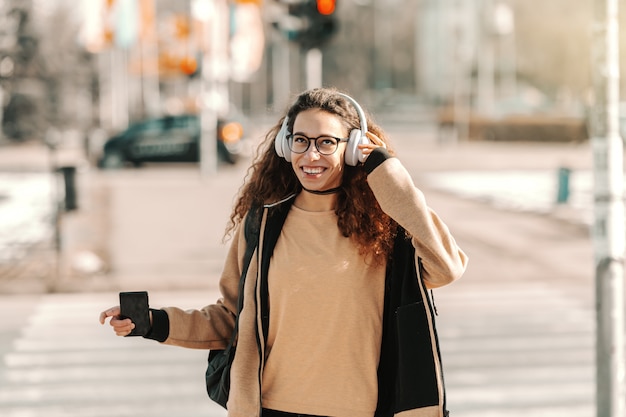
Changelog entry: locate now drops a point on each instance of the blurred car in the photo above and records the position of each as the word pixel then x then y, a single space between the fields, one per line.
pixel 169 139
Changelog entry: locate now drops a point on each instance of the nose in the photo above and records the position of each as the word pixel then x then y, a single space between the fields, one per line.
pixel 312 153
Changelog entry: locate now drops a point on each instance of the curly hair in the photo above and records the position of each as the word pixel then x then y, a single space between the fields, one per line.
pixel 271 178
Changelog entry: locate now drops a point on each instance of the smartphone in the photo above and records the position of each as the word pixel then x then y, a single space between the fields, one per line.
pixel 134 305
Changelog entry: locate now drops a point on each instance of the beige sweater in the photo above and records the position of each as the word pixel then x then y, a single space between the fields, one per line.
pixel 210 327
pixel 325 329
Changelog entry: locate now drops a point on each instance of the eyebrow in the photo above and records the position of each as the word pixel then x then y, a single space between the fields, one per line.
pixel 320 136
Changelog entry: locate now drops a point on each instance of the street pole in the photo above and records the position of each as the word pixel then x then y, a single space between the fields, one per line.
pixel 208 122
pixel 1 111
pixel 149 51
pixel 383 44
pixel 215 72
pixel 313 68
pixel 505 28
pixel 462 74
pixel 608 230
pixel 52 142
pixel 486 59
pixel 281 73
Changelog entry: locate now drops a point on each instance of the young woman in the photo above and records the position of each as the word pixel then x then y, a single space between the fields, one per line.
pixel 336 318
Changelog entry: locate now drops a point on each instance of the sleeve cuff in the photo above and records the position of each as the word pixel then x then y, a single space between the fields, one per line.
pixel 160 330
pixel 377 157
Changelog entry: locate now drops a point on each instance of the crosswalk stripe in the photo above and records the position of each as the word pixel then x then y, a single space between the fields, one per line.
pixel 517 349
pixel 64 363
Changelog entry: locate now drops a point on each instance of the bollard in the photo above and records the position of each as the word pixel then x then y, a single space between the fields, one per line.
pixel 69 178
pixel 563 185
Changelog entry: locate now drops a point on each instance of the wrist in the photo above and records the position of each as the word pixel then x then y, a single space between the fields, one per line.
pixel 377 157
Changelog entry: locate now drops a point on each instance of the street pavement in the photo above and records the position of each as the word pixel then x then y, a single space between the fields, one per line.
pixel 516 332
pixel 59 362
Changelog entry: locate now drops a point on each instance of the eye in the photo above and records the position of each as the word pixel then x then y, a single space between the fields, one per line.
pixel 327 141
pixel 299 139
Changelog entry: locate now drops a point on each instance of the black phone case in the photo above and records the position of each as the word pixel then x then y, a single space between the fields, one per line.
pixel 134 305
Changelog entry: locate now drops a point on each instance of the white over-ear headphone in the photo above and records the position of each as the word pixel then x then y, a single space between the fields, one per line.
pixel 353 154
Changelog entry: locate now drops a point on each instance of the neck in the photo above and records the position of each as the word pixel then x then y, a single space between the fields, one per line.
pixel 316 201
pixel 323 192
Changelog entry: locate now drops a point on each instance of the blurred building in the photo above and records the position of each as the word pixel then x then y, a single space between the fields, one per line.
pixel 467 52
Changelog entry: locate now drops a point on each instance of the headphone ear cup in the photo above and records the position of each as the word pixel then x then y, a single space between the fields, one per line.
pixel 364 141
pixel 280 143
pixel 353 154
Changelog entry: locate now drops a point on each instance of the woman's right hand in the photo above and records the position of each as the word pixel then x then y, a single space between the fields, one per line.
pixel 121 327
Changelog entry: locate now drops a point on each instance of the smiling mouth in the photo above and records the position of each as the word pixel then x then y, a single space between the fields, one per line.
pixel 313 170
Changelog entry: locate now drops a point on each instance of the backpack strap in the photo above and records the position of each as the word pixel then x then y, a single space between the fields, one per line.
pixel 251 232
pixel 276 217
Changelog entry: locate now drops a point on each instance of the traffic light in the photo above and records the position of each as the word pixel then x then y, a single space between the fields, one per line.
pixel 326 7
pixel 311 23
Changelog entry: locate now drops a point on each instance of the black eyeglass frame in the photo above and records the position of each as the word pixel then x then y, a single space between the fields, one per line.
pixel 314 140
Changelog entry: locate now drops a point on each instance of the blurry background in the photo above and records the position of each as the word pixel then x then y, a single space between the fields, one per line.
pixel 128 126
pixel 102 85
pixel 99 64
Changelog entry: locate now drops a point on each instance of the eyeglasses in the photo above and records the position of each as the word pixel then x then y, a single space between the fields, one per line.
pixel 325 145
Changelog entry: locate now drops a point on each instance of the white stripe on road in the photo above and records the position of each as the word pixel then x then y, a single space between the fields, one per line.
pixel 63 363
pixel 517 349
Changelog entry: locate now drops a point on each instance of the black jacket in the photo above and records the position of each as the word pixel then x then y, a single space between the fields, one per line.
pixel 409 372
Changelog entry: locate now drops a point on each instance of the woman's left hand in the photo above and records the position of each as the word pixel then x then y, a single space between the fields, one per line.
pixel 375 142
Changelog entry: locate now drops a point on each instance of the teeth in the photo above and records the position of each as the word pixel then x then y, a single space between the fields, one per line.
pixel 310 170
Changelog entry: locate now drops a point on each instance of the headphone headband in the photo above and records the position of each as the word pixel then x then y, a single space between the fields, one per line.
pixel 359 110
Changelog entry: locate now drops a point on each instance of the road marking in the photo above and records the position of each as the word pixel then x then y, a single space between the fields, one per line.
pixel 517 349
pixel 63 363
